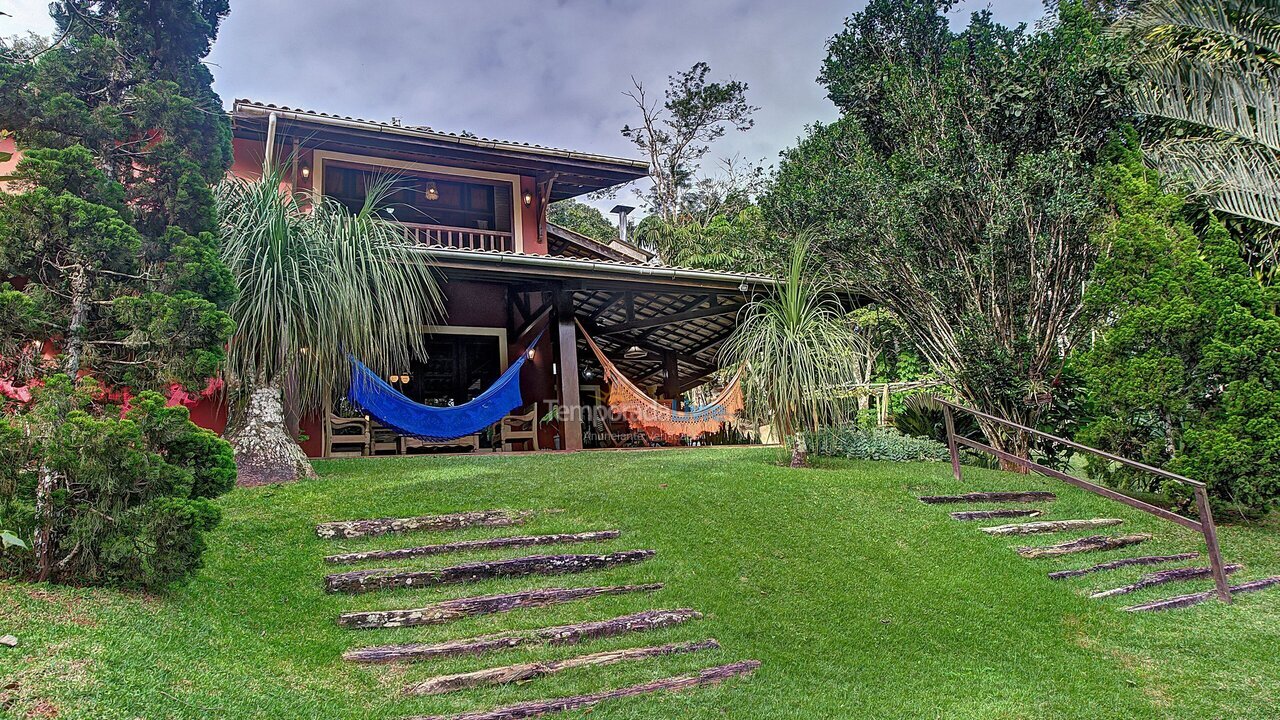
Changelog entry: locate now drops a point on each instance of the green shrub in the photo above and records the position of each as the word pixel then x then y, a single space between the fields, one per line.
pixel 851 441
pixel 133 495
pixel 1185 372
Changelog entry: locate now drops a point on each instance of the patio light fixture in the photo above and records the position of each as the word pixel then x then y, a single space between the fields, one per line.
pixel 635 352
pixel 528 198
pixel 433 193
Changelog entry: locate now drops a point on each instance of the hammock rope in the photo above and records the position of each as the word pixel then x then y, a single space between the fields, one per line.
pixel 372 394
pixel 658 420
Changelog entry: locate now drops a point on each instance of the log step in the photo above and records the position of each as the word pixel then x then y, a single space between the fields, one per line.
pixel 381 526
pixel 556 635
pixel 994 514
pixel 443 612
pixel 1123 562
pixel 979 497
pixel 530 671
pixel 710 676
pixel 387 578
pixel 1182 601
pixel 469 545
pixel 1092 543
pixel 1051 526
pixel 1162 577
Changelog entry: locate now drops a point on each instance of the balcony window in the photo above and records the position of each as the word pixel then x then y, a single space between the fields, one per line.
pixel 422 199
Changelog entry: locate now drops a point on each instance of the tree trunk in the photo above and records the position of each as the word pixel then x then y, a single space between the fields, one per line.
pixel 525 672
pixel 1162 577
pixel 348 529
pixel 1051 526
pixel 1123 562
pixel 42 544
pixel 1014 442
pixel 1093 543
pixel 702 678
pixel 265 452
pixel 361 581
pixel 517 541
pixel 75 327
pixel 450 610
pixel 48 481
pixel 799 452
pixel 557 636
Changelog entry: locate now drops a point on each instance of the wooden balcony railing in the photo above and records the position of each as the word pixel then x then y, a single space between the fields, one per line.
pixel 455 237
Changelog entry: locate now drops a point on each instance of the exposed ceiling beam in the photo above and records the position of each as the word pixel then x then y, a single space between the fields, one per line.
pixel 698 313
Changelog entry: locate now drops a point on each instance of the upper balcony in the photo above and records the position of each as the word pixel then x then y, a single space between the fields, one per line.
pixel 457 237
pixel 435 208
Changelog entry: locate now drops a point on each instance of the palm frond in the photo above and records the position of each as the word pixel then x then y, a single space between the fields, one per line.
pixel 1245 105
pixel 317 281
pixel 1236 178
pixel 1236 22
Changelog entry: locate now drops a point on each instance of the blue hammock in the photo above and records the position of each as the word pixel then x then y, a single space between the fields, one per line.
pixel 375 396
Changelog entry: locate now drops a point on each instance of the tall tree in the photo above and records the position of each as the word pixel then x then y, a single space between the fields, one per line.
pixel 110 234
pixel 315 282
pixel 956 189
pixel 582 218
pixel 676 131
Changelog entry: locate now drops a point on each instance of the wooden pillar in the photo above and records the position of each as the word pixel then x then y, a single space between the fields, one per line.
pixel 569 396
pixel 671 383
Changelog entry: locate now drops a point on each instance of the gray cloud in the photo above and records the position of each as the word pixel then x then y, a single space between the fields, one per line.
pixel 546 72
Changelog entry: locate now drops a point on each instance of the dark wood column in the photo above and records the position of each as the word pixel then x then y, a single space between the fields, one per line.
pixel 567 336
pixel 671 368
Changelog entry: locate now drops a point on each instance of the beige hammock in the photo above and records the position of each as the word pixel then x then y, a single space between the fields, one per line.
pixel 658 420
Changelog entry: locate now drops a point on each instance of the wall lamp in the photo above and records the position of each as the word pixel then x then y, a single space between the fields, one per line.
pixel 528 198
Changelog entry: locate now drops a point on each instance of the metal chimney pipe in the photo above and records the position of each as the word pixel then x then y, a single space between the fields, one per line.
pixel 622 212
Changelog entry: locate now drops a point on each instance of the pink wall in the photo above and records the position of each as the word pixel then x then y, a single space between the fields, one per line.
pixel 8 145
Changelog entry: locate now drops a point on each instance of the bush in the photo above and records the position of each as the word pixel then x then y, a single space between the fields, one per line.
pixel 1185 373
pixel 851 441
pixel 133 495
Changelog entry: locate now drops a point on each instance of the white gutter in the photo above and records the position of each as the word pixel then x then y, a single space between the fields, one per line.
pixel 368 125
pixel 269 161
pixel 563 263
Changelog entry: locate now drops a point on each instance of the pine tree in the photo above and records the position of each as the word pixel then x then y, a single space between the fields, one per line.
pixel 108 236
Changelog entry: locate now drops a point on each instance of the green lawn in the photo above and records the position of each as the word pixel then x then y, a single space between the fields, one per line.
pixel 861 602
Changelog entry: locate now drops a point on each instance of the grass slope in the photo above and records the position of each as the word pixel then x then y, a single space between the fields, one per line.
pixel 861 601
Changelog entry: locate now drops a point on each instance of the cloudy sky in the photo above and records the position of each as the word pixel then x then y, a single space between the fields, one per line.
pixel 544 71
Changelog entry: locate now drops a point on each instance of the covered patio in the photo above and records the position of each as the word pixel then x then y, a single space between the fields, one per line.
pixel 662 327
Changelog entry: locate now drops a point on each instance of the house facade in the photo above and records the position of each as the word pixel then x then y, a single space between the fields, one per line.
pixel 477 209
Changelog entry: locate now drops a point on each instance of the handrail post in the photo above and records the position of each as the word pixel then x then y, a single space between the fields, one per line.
pixel 1211 544
pixel 951 441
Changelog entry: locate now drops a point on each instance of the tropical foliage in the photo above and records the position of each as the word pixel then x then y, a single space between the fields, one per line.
pixel 795 346
pixel 875 443
pixel 1210 74
pixel 1185 372
pixel 582 218
pixel 956 189
pixel 316 282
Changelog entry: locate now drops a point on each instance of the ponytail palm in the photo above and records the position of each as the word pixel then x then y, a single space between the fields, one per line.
pixel 796 347
pixel 315 281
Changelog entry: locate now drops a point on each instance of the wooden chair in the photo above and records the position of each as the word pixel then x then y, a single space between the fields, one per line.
pixel 383 439
pixel 469 443
pixel 347 432
pixel 519 428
